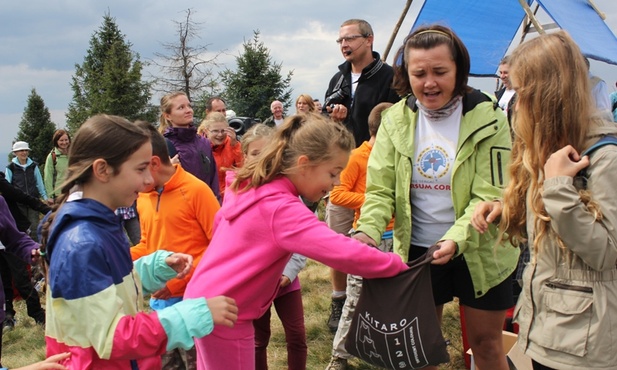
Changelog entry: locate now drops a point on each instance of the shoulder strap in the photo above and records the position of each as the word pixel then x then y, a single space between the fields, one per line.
pixel 605 140
pixel 614 105
pixel 580 180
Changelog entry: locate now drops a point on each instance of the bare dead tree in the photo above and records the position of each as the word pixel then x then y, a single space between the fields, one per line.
pixel 186 67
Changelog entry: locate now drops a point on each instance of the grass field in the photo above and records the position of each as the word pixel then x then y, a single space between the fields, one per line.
pixel 25 344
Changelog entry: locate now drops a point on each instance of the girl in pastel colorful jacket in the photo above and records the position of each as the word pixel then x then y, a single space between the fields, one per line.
pixel 94 292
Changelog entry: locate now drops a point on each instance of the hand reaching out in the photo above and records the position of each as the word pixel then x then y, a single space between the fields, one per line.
pixel 362 237
pixel 163 293
pixel 224 310
pixel 181 263
pixel 49 363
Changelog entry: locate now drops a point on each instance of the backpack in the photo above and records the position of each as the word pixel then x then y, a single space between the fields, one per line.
pixel 581 177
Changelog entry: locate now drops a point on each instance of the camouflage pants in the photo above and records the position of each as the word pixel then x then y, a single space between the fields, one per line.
pixel 179 359
pixel 354 286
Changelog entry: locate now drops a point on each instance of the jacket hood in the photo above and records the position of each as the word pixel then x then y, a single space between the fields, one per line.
pixel 84 210
pixel 181 133
pixel 29 161
pixel 237 202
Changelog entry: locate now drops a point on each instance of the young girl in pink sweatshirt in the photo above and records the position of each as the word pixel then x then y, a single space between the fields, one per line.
pixel 263 222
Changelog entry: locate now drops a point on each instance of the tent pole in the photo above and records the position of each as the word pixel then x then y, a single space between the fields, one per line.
pixel 396 29
pixel 532 17
pixel 600 13
pixel 527 25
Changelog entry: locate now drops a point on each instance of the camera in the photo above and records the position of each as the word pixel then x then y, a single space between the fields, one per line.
pixel 336 97
pixel 242 124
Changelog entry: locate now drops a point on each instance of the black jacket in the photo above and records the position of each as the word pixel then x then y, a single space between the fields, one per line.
pixel 374 87
pixel 13 195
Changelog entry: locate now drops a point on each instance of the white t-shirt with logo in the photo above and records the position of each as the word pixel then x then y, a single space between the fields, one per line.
pixel 432 211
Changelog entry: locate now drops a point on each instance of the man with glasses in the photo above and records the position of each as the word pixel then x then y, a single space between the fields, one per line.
pixel 362 82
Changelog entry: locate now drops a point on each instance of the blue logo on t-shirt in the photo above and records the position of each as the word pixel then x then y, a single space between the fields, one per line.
pixel 433 163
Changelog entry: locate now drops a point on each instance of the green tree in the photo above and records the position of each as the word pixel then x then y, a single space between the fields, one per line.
pixel 109 80
pixel 257 81
pixel 36 128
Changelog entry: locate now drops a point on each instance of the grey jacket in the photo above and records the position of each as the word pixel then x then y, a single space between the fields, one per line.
pixel 567 310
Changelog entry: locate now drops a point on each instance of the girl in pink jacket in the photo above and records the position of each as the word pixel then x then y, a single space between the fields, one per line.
pixel 263 222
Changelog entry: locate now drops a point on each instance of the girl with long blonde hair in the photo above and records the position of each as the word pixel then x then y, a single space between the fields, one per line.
pixel 567 308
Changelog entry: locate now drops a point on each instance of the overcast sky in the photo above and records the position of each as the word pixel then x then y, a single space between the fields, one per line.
pixel 41 41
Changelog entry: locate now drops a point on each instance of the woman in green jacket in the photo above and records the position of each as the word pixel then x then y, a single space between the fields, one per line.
pixel 438 153
pixel 56 162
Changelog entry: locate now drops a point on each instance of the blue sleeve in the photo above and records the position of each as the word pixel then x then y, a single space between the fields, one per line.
pixel 39 183
pixel 153 271
pixel 8 174
pixel 184 321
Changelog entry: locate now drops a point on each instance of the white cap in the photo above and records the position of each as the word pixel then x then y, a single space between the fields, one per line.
pixel 230 114
pixel 20 145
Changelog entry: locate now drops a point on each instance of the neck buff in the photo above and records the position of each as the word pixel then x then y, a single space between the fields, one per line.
pixel 443 112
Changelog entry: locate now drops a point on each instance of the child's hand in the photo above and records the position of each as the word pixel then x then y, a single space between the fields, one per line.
pixel 175 159
pixel 564 162
pixel 36 256
pixel 181 263
pixel 49 363
pixel 224 310
pixel 284 281
pixel 362 237
pixel 233 138
pixel 484 214
pixel 162 293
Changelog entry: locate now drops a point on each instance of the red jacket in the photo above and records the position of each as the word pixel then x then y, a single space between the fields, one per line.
pixel 226 157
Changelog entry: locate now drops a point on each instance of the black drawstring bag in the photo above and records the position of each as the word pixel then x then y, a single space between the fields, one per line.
pixel 395 324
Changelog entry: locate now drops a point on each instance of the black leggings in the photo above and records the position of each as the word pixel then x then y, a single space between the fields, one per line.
pixel 537 366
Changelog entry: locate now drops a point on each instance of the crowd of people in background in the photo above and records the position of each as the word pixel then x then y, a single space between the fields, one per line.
pixel 216 225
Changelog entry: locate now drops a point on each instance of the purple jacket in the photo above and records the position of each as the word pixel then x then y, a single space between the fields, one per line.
pixel 15 242
pixel 195 153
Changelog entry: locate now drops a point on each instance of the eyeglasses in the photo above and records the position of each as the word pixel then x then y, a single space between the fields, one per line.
pixel 349 39
pixel 217 132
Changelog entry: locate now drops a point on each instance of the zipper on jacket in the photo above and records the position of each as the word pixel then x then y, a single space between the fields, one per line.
pixel 557 285
pixel 473 133
pixel 499 167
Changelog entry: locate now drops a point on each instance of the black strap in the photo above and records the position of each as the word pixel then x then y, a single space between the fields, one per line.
pixel 580 180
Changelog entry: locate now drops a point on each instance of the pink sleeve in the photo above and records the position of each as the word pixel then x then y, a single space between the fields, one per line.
pixel 142 334
pixel 304 234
